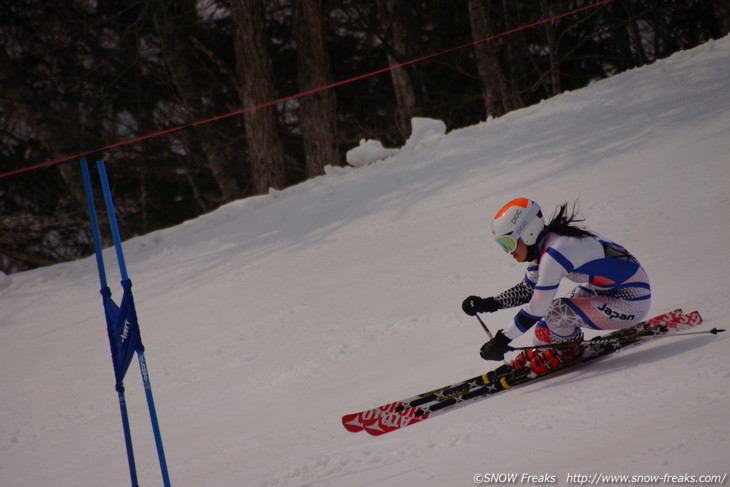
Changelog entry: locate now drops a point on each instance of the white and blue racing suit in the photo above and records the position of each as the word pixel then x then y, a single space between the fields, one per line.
pixel 613 290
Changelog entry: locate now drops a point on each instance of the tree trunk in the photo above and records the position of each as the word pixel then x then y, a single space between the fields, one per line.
pixel 317 111
pixel 511 96
pixel 722 12
pixel 490 72
pixel 552 45
pixel 48 122
pixel 176 48
pixel 633 29
pixel 253 64
pixel 397 44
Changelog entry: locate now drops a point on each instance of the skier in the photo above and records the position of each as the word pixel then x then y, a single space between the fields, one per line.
pixel 613 290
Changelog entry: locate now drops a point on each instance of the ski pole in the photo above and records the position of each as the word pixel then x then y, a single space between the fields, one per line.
pixel 600 341
pixel 489 333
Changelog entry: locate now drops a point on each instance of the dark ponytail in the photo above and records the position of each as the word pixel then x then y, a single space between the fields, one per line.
pixel 563 221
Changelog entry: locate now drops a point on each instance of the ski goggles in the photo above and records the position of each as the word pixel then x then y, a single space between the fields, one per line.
pixel 507 242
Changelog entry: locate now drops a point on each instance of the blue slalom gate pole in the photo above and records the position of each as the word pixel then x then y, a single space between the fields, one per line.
pixel 94 225
pixel 153 416
pixel 106 292
pixel 112 219
pixel 127 284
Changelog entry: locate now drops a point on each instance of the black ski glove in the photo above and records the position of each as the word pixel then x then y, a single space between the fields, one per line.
pixel 495 348
pixel 474 304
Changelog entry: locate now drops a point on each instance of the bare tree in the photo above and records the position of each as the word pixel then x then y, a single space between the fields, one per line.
pixel 722 12
pixel 317 111
pixel 491 75
pixel 48 123
pixel 632 25
pixel 516 49
pixel 552 47
pixel 397 42
pixel 174 21
pixel 253 64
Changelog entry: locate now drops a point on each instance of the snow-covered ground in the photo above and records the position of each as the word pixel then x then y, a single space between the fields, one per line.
pixel 267 320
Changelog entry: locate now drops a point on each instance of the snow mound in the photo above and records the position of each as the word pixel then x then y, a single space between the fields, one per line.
pixel 424 132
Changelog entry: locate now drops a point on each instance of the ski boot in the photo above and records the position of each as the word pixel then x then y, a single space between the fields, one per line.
pixel 567 350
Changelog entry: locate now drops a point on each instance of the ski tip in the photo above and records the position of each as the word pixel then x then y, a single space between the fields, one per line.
pixel 715 331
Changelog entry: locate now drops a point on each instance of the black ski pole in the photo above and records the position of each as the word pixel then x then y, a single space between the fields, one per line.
pixel 600 340
pixel 489 334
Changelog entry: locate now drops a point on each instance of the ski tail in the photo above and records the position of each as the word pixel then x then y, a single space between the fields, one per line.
pixel 354 422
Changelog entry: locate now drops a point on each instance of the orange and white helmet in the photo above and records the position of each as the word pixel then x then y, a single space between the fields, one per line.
pixel 521 218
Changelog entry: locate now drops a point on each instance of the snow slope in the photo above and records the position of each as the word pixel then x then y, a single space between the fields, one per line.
pixel 267 320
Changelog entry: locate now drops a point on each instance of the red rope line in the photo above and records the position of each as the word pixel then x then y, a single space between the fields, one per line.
pixel 302 93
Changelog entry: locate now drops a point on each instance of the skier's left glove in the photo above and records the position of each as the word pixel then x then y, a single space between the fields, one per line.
pixel 474 304
pixel 495 348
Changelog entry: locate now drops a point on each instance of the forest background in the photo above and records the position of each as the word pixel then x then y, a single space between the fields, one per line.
pixel 78 75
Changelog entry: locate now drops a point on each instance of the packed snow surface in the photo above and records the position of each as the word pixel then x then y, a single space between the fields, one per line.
pixel 267 320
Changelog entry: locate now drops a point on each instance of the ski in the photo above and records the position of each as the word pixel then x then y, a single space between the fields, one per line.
pixel 398 414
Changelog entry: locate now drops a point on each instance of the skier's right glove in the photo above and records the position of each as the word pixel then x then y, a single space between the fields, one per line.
pixel 474 304
pixel 495 348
